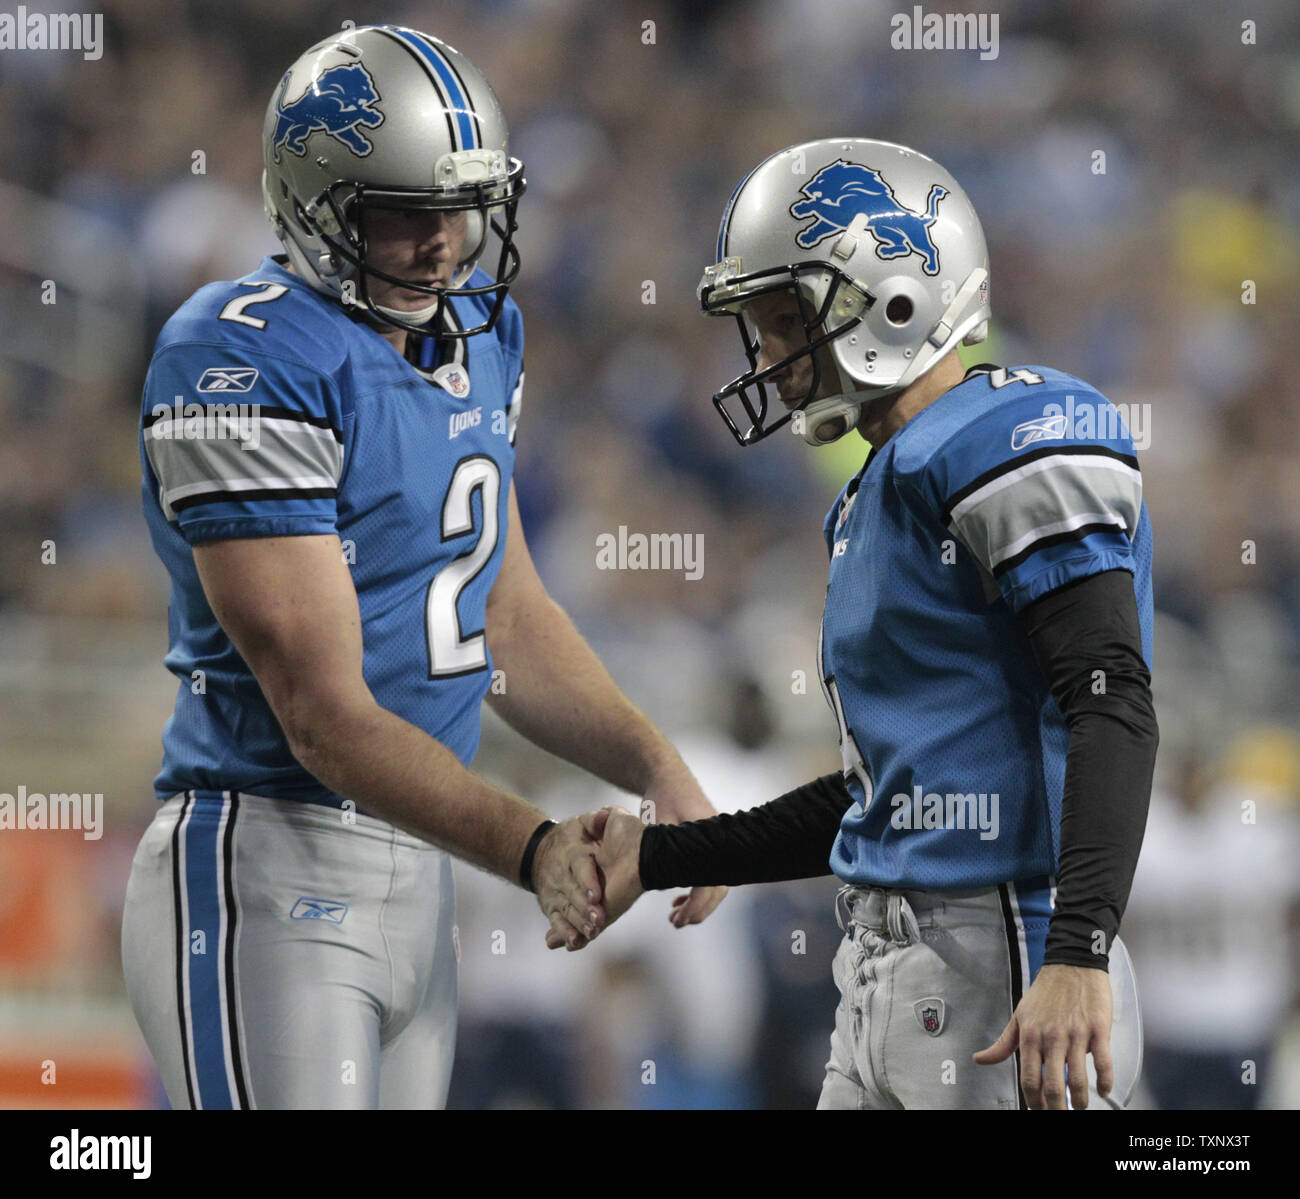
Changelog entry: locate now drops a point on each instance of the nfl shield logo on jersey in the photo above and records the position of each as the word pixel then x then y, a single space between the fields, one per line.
pixel 929 1013
pixel 453 378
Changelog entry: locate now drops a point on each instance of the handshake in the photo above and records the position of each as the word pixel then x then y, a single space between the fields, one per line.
pixel 587 874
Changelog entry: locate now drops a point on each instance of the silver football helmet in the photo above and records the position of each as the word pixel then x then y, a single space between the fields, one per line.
pixel 386 117
pixel 885 256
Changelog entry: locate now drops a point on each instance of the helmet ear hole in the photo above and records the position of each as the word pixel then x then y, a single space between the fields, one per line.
pixel 899 310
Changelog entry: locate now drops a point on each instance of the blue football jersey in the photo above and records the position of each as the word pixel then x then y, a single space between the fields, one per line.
pixel 269 411
pixel 1010 485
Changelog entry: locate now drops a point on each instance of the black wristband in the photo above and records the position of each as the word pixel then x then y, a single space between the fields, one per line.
pixel 526 866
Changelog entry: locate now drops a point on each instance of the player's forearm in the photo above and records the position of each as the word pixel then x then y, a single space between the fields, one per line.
pixel 559 695
pixel 1100 843
pixel 396 771
pixel 788 838
pixel 1087 641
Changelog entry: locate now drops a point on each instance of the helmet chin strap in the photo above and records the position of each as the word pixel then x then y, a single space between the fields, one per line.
pixel 830 419
pixel 417 316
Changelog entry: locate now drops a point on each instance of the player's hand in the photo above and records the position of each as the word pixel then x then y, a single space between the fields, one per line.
pixel 567 884
pixel 1062 1018
pixel 617 834
pixel 696 905
pixel 674 796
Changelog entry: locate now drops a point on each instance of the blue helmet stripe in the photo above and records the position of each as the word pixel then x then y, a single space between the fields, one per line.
pixel 726 215
pixel 459 101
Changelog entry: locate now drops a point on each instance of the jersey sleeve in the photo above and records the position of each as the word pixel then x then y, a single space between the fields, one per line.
pixel 250 447
pixel 1038 498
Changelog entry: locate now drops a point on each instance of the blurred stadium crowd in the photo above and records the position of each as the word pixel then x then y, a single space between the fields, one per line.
pixel 130 181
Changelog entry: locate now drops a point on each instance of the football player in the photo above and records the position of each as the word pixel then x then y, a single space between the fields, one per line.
pixel 985 650
pixel 328 446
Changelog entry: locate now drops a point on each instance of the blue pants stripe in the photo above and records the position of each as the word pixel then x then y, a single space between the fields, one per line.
pixel 204 882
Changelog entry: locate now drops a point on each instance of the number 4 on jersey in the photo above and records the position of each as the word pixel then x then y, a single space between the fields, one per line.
pixel 1001 377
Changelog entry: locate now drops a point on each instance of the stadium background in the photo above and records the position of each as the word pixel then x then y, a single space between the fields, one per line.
pixel 131 180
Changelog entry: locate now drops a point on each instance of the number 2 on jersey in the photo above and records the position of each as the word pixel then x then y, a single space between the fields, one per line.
pixel 234 310
pixel 451 651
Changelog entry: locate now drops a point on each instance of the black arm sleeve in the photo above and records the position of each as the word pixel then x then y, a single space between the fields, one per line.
pixel 790 837
pixel 1088 644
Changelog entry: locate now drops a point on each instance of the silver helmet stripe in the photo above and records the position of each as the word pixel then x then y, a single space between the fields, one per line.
pixel 465 114
pixel 455 130
pixel 724 228
pixel 466 117
pixel 473 125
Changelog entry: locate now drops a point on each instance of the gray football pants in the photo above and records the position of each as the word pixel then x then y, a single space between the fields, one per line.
pixel 929 978
pixel 281 954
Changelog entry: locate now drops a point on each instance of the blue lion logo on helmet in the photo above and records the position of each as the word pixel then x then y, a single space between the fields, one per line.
pixel 337 101
pixel 844 190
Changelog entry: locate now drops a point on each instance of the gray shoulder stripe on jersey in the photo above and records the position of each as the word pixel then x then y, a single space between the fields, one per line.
pixel 255 496
pixel 295 454
pixel 219 410
pixel 1074 532
pixel 210 491
pixel 251 483
pixel 1046 500
pixel 231 425
pixel 1085 469
pixel 232 450
pixel 1012 464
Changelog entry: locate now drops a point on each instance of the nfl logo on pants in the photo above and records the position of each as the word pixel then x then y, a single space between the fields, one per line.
pixel 929 1012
